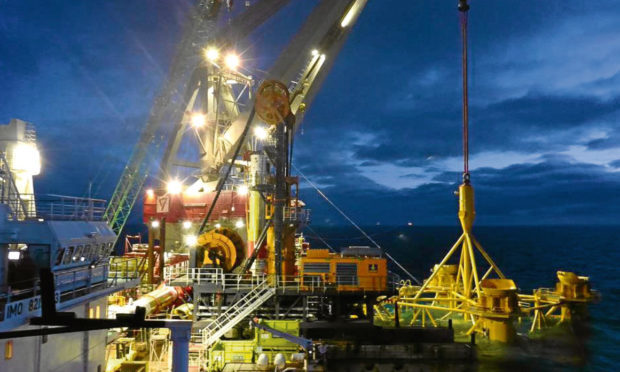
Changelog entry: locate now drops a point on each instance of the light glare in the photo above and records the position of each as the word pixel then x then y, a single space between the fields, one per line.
pixel 212 54
pixel 243 190
pixel 239 224
pixel 155 224
pixel 191 240
pixel 261 132
pixel 198 120
pixel 232 61
pixel 14 255
pixel 187 224
pixel 350 14
pixel 174 187
pixel 26 158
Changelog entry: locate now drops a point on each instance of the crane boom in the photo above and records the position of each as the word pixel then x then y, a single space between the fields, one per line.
pixel 201 28
pixel 322 32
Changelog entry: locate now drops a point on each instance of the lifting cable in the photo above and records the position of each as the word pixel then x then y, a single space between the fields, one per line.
pixel 463 8
pixel 222 180
pixel 356 225
pixel 316 235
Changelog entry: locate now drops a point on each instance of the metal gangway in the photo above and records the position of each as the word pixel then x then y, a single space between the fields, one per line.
pixel 237 312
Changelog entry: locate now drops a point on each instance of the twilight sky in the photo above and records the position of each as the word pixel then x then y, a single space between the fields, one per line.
pixel 383 136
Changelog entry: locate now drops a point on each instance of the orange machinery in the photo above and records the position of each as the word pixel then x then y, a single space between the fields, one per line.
pixel 353 269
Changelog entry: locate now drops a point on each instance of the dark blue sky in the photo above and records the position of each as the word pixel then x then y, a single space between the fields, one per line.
pixel 383 136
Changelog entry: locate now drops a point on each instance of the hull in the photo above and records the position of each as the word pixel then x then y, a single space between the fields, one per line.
pixel 68 352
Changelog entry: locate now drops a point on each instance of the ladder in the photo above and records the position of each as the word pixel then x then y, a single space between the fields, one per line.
pixel 9 194
pixel 236 313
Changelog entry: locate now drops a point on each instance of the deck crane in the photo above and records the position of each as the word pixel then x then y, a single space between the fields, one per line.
pixel 218 113
pixel 167 106
pixel 202 86
pixel 324 33
pixel 201 120
pixel 304 63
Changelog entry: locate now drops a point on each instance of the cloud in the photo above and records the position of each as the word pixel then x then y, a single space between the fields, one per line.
pixel 383 137
pixel 550 192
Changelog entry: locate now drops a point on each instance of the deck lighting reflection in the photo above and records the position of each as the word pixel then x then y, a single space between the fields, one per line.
pixel 232 61
pixel 218 226
pixel 155 224
pixel 150 193
pixel 315 52
pixel 352 12
pixel 239 224
pixel 191 240
pixel 187 224
pixel 212 54
pixel 26 158
pixel 198 120
pixel 242 190
pixel 174 187
pixel 261 132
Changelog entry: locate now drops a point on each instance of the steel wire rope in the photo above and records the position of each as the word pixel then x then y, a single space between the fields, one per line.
pixel 359 237
pixel 222 180
pixel 317 236
pixel 356 225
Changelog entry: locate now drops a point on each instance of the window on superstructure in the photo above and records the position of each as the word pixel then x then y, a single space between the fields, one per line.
pixel 78 253
pixel 61 251
pixel 87 252
pixel 68 256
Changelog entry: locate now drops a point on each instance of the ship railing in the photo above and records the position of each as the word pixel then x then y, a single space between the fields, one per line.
pixel 124 269
pixel 65 208
pixel 242 282
pixel 343 283
pixel 189 275
pixel 9 193
pixel 213 276
pixel 65 281
pixel 309 283
pixel 393 281
pixel 176 270
pixel 297 215
pixel 69 283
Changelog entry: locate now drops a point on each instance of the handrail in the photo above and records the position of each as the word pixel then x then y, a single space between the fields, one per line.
pixel 11 195
pixel 63 207
pixel 75 282
pixel 318 282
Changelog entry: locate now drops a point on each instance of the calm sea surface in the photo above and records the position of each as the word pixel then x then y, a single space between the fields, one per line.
pixel 528 255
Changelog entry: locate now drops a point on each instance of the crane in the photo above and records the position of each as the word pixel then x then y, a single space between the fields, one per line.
pixel 324 31
pixel 200 29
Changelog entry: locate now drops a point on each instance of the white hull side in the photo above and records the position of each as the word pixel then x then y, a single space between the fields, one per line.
pixel 66 352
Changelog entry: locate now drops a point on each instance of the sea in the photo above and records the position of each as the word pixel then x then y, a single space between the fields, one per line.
pixel 531 256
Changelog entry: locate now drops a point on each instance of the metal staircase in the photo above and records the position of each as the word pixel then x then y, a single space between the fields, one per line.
pixel 236 313
pixel 9 194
